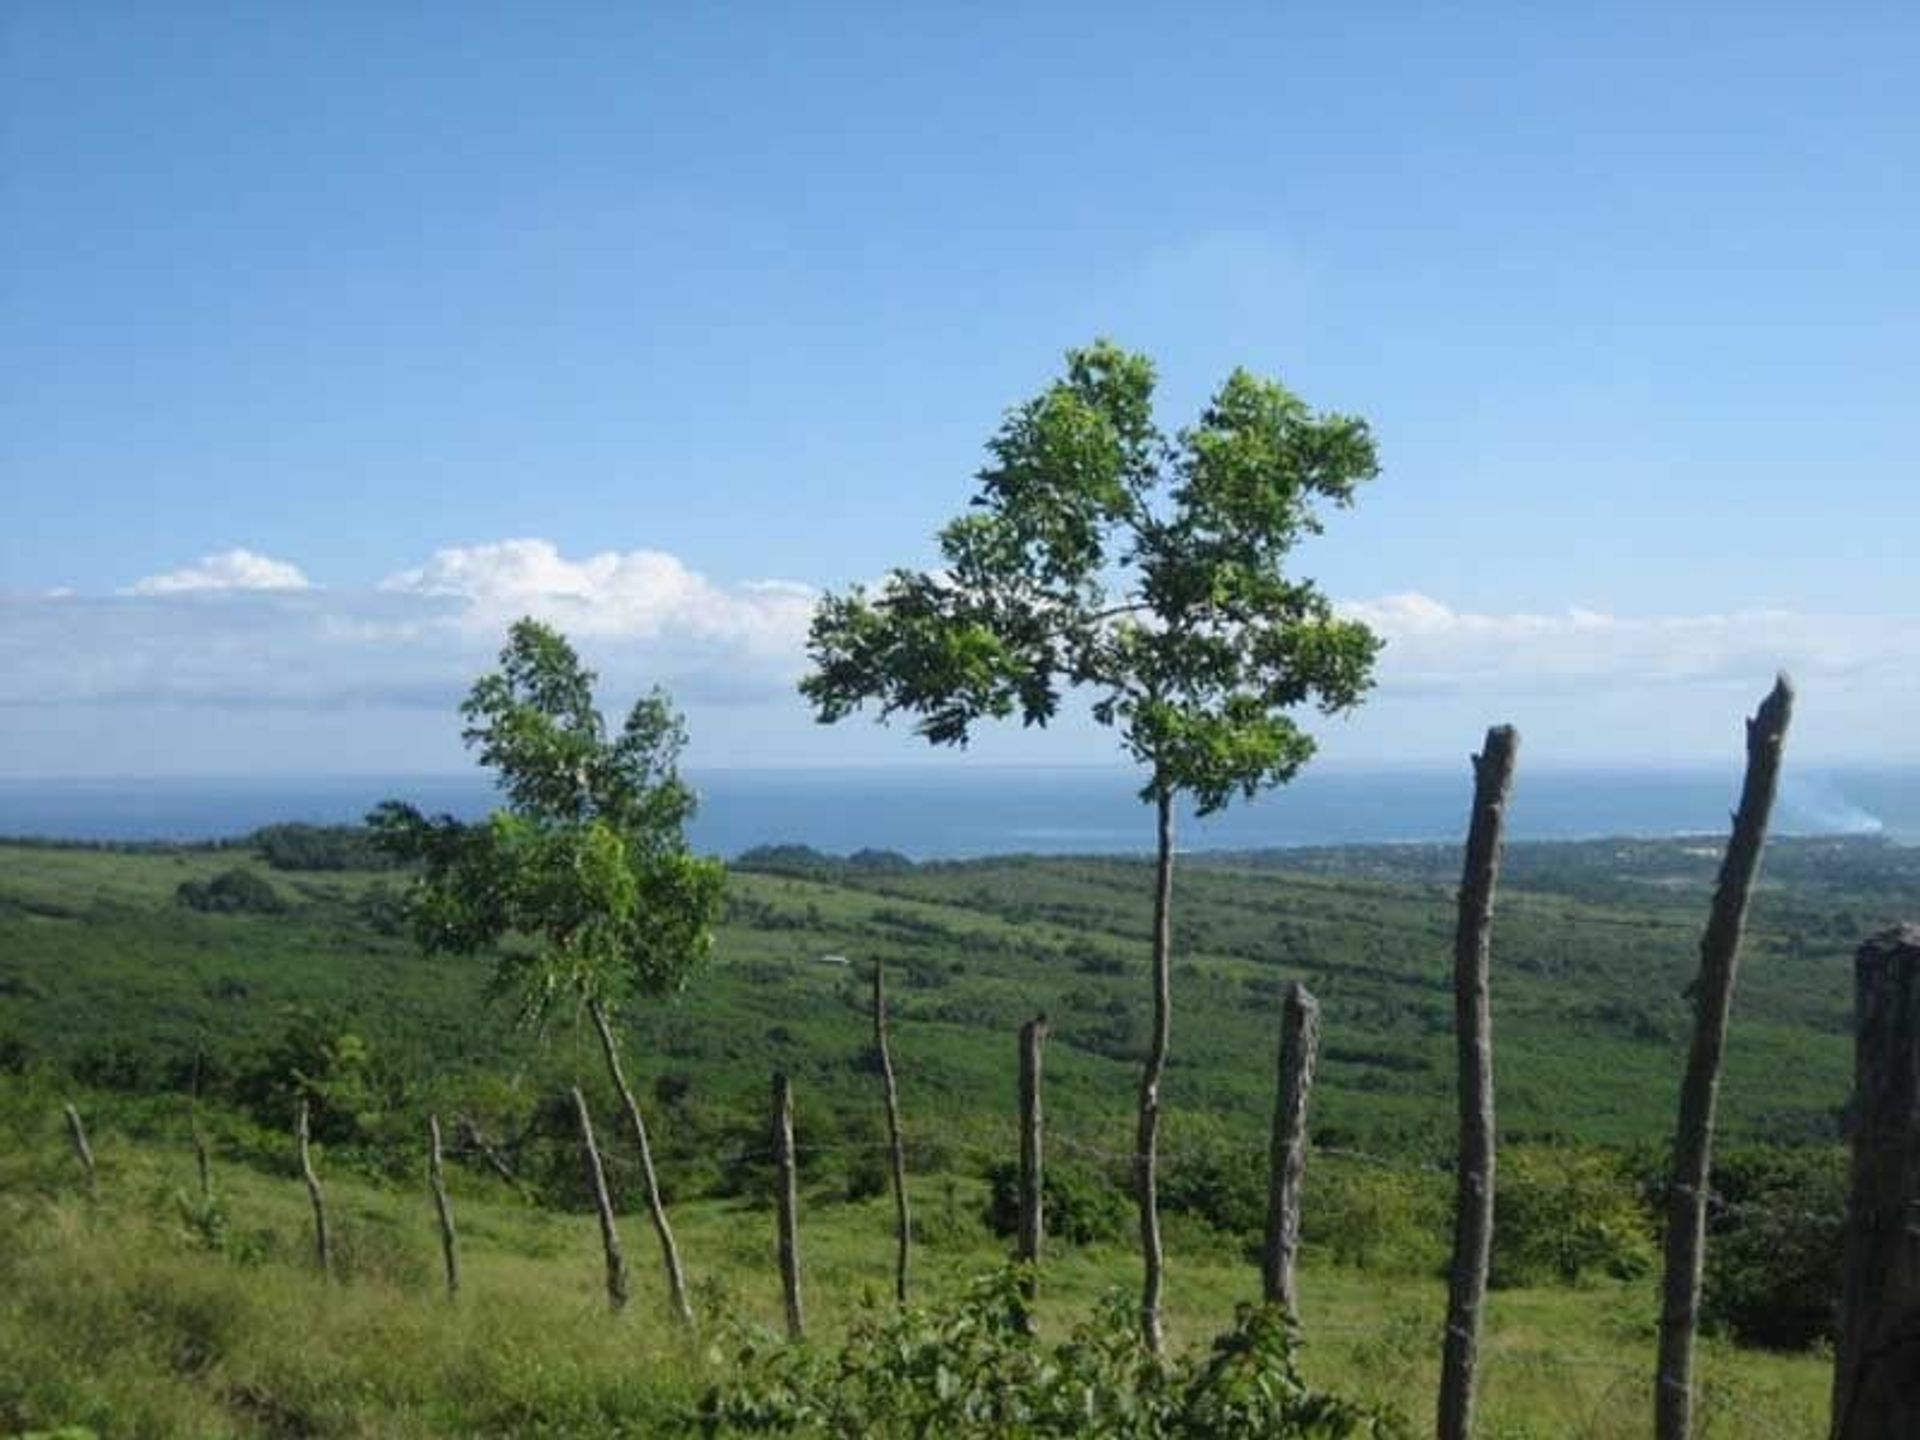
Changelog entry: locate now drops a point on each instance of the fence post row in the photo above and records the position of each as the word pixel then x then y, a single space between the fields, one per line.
pixel 1287 1158
pixel 1473 1028
pixel 786 1203
pixel 322 1246
pixel 1712 993
pixel 902 1220
pixel 1876 1370
pixel 602 1204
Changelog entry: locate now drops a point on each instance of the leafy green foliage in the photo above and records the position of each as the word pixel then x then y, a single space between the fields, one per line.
pixel 1776 1234
pixel 973 1369
pixel 1100 552
pixel 231 892
pixel 1082 1207
pixel 1562 1214
pixel 319 847
pixel 588 860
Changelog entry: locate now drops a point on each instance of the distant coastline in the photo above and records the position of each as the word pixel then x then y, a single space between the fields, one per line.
pixel 932 813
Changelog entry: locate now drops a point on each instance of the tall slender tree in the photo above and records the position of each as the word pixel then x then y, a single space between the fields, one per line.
pixel 582 883
pixel 1146 571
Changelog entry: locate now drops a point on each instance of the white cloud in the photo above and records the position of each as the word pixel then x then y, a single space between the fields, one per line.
pixel 229 570
pixel 636 594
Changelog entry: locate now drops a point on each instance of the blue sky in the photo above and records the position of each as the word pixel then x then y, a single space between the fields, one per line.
pixel 332 336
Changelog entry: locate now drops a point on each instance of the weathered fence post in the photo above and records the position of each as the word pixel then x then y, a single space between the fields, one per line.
pixel 1033 1223
pixel 902 1221
pixel 471 1134
pixel 787 1205
pixel 1473 1030
pixel 656 1207
pixel 1876 1371
pixel 81 1148
pixel 1712 993
pixel 443 1207
pixel 1287 1157
pixel 202 1163
pixel 603 1206
pixel 322 1246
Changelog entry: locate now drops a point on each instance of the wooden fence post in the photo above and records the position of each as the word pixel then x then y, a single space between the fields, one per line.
pixel 1876 1371
pixel 78 1132
pixel 202 1163
pixel 1712 993
pixel 786 1205
pixel 1287 1156
pixel 322 1246
pixel 1473 1029
pixel 443 1207
pixel 1033 1225
pixel 603 1205
pixel 902 1221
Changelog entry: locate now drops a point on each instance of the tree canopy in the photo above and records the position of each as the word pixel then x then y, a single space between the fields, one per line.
pixel 1100 552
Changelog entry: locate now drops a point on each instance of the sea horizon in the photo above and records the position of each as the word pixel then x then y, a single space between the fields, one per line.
pixel 965 812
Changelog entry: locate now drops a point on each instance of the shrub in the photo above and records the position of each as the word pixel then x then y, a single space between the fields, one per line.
pixel 1374 1217
pixel 1777 1227
pixel 231 892
pixel 1081 1207
pixel 972 1369
pixel 1562 1214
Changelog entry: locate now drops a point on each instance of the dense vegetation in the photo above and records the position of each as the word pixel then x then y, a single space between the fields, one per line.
pixel 114 992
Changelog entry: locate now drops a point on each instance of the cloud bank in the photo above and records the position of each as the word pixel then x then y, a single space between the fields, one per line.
pixel 239 634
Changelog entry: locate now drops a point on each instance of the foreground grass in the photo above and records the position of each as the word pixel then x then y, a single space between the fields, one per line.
pixel 117 1316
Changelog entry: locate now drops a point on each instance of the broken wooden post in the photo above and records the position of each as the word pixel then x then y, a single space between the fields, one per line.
pixel 1712 993
pixel 1473 1031
pixel 1876 1370
pixel 902 1221
pixel 650 1181
pixel 786 1205
pixel 443 1207
pixel 603 1205
pixel 81 1148
pixel 470 1134
pixel 1287 1155
pixel 322 1248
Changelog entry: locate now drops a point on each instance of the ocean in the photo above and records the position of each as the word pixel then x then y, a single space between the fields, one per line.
pixel 955 812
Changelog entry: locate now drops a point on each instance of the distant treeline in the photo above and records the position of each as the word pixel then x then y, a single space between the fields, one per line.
pixel 805 860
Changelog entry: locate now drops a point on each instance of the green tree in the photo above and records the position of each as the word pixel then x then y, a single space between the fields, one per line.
pixel 1146 571
pixel 582 883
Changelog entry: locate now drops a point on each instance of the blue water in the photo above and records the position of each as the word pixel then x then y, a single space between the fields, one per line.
pixel 955 812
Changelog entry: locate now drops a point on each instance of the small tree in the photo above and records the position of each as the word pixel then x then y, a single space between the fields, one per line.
pixel 1101 554
pixel 582 884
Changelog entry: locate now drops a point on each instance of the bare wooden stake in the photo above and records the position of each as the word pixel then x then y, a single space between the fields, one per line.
pixel 78 1131
pixel 1473 1030
pixel 1033 1225
pixel 470 1134
pixel 1287 1156
pixel 602 1204
pixel 322 1246
pixel 202 1163
pixel 787 1205
pixel 443 1207
pixel 902 1220
pixel 1876 1370
pixel 656 1207
pixel 1712 994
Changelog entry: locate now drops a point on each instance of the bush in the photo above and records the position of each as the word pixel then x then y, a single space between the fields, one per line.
pixel 1374 1217
pixel 974 1370
pixel 1081 1207
pixel 1775 1235
pixel 1562 1214
pixel 231 892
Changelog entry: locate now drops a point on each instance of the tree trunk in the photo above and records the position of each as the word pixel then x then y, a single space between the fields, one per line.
pixel 1287 1156
pixel 443 1207
pixel 322 1245
pixel 470 1133
pixel 1147 1140
pixel 1712 998
pixel 603 1205
pixel 656 1210
pixel 902 1220
pixel 1473 1030
pixel 1033 1224
pixel 1876 1371
pixel 78 1132
pixel 787 1206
